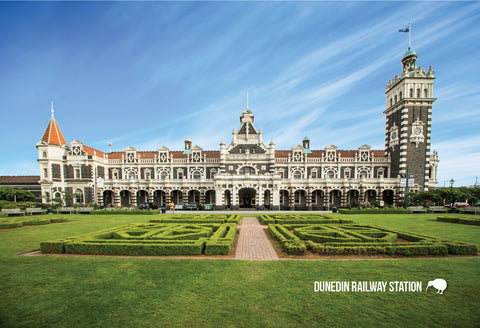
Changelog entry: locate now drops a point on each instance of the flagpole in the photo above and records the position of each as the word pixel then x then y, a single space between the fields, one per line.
pixel 409 37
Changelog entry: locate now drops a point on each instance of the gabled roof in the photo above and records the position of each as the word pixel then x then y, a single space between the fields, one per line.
pixel 53 135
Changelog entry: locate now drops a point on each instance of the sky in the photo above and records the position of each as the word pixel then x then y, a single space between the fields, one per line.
pixel 147 74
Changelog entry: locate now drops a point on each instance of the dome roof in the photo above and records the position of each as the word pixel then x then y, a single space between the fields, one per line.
pixel 410 52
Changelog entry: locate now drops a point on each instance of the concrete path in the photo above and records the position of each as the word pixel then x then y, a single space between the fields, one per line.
pixel 253 244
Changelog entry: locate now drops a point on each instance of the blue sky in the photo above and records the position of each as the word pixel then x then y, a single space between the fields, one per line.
pixel 147 74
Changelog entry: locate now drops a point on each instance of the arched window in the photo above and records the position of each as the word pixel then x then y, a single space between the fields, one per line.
pixel 401 95
pixel 297 175
pixel 247 170
pixel 396 98
pixel 418 93
pixel 363 175
pixel 131 175
pixel 197 175
pixel 331 175
pixel 411 93
pixel 78 196
pixel 425 93
pixel 163 175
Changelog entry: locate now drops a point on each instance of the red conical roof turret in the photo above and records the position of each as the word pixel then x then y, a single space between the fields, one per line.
pixel 53 135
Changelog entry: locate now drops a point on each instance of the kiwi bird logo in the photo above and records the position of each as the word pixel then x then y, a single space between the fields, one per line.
pixel 439 284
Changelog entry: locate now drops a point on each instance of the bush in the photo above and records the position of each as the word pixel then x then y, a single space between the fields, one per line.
pixel 150 239
pixel 459 220
pixel 392 210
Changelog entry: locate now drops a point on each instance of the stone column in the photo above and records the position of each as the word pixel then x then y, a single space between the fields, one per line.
pixel 116 197
pixel 309 198
pixel 133 197
pixel 291 198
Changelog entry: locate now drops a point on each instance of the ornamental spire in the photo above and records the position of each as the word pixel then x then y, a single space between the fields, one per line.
pixel 53 135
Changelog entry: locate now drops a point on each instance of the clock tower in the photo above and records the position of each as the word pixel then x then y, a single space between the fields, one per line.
pixel 408 123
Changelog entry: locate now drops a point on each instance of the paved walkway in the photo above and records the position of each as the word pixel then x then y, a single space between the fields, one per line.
pixel 253 244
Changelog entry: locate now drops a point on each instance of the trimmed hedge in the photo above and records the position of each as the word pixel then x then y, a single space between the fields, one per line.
pixel 393 210
pixel 364 239
pixel 198 218
pixel 125 211
pixel 459 220
pixel 16 222
pixel 149 239
pixel 220 243
pixel 301 218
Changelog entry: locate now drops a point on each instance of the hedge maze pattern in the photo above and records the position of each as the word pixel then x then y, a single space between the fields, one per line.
pixel 326 235
pixel 150 239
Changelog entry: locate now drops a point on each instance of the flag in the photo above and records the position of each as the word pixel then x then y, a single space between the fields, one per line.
pixel 405 30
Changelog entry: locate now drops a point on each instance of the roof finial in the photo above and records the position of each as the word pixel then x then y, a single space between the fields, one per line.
pixel 52 108
pixel 247 99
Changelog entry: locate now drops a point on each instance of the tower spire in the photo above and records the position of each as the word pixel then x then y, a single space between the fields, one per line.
pixel 247 99
pixel 53 135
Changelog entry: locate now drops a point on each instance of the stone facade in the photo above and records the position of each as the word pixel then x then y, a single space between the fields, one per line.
pixel 249 174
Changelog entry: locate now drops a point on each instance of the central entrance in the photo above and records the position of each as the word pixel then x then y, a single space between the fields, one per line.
pixel 246 197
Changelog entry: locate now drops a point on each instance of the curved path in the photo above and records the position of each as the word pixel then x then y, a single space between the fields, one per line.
pixel 253 243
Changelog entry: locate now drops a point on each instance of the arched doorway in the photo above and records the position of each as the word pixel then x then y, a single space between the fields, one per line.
pixel 352 198
pixel 194 196
pixel 210 197
pixel 108 198
pixel 370 196
pixel 284 199
pixel 142 197
pixel 227 198
pixel 125 198
pixel 159 198
pixel 388 197
pixel 177 197
pixel 317 199
pixel 300 199
pixel 246 197
pixel 336 198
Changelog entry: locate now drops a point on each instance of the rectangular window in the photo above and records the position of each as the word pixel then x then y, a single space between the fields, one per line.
pixel 77 173
pixel 45 173
pixel 180 174
pixel 314 174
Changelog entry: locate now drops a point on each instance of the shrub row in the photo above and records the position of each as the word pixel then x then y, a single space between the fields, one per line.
pixel 301 218
pixel 8 223
pixel 459 220
pixel 125 211
pixel 291 244
pixel 390 210
pixel 220 243
pixel 329 241
pixel 149 239
pixel 198 218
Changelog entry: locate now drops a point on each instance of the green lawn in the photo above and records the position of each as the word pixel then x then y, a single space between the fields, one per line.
pixel 57 291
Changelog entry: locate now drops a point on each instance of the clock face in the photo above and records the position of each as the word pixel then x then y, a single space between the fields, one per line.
pixel 417 131
pixel 394 135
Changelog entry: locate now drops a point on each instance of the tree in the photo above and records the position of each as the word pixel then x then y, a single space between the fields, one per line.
pixel 15 194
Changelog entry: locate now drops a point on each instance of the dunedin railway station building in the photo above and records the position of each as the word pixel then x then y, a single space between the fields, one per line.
pixel 247 173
